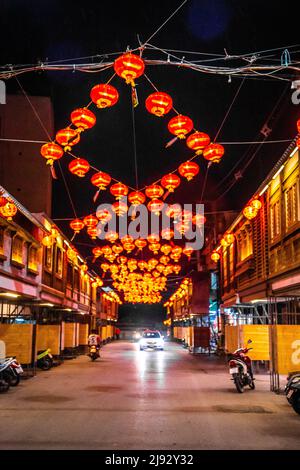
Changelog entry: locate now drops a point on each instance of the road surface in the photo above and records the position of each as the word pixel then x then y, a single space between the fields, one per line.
pixel 144 400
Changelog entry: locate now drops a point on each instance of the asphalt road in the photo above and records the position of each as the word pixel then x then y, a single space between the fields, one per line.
pixel 144 400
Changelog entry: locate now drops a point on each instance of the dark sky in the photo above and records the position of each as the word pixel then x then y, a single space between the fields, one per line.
pixel 34 30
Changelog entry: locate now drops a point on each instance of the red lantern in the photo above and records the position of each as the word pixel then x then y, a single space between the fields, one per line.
pixel 119 190
pixel 51 152
pixel 67 138
pixel 120 208
pixel 140 243
pixel 77 225
pixel 256 203
pixel 156 206
pixel 174 211
pixel 97 251
pixel 93 232
pixel 136 198
pixel 104 95
pixel 111 236
pixel 166 249
pixel 9 210
pixel 187 251
pixel 188 170
pixel 83 119
pixel 90 221
pixel 198 141
pixel 159 103
pixel 129 66
pixel 213 152
pixel 103 215
pixel 180 126
pixel 79 167
pixel 153 238
pixel 154 191
pixel 215 256
pixel 3 201
pixel 199 220
pixel 101 180
pixel 167 234
pixel 170 182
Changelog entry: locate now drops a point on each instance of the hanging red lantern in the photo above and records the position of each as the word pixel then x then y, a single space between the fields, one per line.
pixel 93 232
pixel 154 247
pixel 101 180
pixel 188 170
pixel 198 141
pixel 77 225
pixel 166 249
pixel 250 212
pixel 182 226
pixel 174 211
pixel 199 220
pixel 159 103
pixel 129 66
pixel 129 247
pixel 176 268
pixel 167 234
pixel 256 203
pixel 83 119
pixel 180 126
pixel 136 198
pixel 112 236
pixel 51 152
pixel 120 208
pixel 97 251
pixel 155 206
pixel 90 221
pixel 142 265
pixel 9 210
pixel 67 137
pixel 103 215
pixel 79 167
pixel 187 251
pixel 117 249
pixel 153 238
pixel 154 191
pixel 126 239
pixel 104 96
pixel 140 243
pixel 213 153
pixel 215 256
pixel 119 190
pixel 170 182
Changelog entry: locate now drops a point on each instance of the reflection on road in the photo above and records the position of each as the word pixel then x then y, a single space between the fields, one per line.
pixel 150 365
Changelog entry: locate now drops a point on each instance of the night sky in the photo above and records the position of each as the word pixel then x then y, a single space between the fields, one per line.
pixel 33 31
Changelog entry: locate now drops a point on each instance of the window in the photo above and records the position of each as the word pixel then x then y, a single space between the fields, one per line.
pixel 33 258
pixel 291 206
pixel 225 273
pixel 48 258
pixel 17 250
pixel 59 261
pixel 275 219
pixel 244 242
pixel 231 261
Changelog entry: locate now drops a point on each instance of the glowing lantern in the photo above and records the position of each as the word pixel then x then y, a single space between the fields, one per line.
pixel 199 220
pixel 67 138
pixel 198 141
pixel 47 241
pixel 3 201
pixel 122 260
pixel 111 236
pixel 51 152
pixel 90 221
pixel 182 226
pixel 93 232
pixel 213 152
pixel 188 170
pixel 256 204
pixel 117 249
pixel 120 208
pixel 153 238
pixel 154 191
pixel 166 249
pixel 164 260
pixel 129 66
pixel 8 210
pixel 159 103
pixel 84 268
pixel 129 247
pixel 224 243
pixel 173 211
pixel 176 251
pixel 104 267
pixel 250 212
pixel 76 225
pixel 106 250
pixel 119 190
pixel 180 126
pixel 101 180
pixel 83 119
pixel 140 243
pixel 154 247
pixel 229 237
pixel 97 251
pixel 170 182
pixel 215 256
pixel 167 234
pixel 156 206
pixel 71 254
pixel 136 198
pixel 79 167
pixel 103 215
pixel 176 268
pixel 104 95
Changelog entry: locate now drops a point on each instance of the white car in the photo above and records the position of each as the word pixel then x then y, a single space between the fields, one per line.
pixel 152 339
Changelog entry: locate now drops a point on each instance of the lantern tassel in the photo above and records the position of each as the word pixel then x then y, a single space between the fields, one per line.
pixel 166 195
pixel 96 195
pixel 134 97
pixel 171 142
pixel 74 235
pixel 53 174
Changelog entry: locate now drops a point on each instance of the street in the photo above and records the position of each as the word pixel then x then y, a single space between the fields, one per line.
pixel 144 400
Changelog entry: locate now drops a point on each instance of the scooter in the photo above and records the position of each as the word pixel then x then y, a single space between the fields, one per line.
pixel 292 391
pixel 4 379
pixel 12 373
pixel 44 359
pixel 94 352
pixel 240 368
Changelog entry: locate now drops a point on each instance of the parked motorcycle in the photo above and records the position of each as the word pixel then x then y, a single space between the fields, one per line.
pixel 4 381
pixel 12 373
pixel 44 359
pixel 240 368
pixel 94 352
pixel 292 391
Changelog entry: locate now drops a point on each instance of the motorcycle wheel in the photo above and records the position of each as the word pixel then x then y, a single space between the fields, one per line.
pixel 46 364
pixel 252 385
pixel 4 386
pixel 296 403
pixel 238 384
pixel 12 378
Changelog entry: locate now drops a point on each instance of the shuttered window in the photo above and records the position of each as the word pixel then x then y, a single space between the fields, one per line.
pixel 17 249
pixel 275 220
pixel 291 206
pixel 33 258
